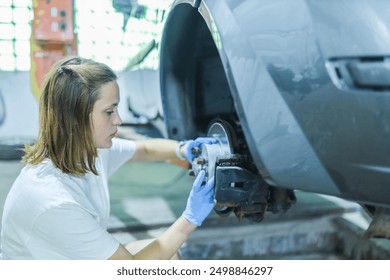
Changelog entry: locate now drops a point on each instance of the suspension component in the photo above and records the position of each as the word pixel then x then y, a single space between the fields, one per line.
pixel 236 188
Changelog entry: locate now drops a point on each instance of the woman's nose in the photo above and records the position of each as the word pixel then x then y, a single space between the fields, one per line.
pixel 117 119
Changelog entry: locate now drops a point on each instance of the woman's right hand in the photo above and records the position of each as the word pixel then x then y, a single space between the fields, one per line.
pixel 201 200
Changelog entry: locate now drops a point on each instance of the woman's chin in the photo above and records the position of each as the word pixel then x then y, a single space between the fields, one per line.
pixel 105 145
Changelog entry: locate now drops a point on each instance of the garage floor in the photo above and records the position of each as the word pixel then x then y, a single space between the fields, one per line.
pixel 148 197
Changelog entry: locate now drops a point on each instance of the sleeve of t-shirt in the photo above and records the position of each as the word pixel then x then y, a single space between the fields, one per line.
pixel 120 152
pixel 69 232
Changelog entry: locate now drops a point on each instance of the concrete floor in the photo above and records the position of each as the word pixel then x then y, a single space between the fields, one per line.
pixel 147 197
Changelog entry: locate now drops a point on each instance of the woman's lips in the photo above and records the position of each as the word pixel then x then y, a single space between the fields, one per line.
pixel 114 134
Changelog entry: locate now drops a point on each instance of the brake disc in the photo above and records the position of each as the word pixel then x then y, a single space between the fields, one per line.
pixel 221 132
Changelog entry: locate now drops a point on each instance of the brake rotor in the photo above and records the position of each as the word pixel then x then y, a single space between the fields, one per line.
pixel 222 133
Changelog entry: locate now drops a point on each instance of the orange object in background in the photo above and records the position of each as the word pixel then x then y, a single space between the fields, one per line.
pixel 53 21
pixel 52 38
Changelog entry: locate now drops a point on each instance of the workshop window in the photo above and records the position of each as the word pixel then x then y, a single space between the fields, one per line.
pixel 15 31
pixel 103 36
pixel 100 29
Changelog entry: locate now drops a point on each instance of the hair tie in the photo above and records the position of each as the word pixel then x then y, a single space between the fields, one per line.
pixel 60 71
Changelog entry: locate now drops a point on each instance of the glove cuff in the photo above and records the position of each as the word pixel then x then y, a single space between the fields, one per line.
pixel 178 147
pixel 191 219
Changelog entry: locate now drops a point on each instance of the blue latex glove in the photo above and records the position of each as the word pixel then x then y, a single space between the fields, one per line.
pixel 196 144
pixel 201 200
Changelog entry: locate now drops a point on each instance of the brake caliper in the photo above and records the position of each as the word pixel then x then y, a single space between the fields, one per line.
pixel 236 188
pixel 239 189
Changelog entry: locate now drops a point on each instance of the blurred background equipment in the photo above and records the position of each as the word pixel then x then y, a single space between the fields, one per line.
pixel 129 8
pixel 52 38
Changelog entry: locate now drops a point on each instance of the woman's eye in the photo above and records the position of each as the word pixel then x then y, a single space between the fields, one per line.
pixel 110 113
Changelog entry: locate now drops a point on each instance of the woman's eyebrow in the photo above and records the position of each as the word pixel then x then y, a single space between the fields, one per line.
pixel 112 105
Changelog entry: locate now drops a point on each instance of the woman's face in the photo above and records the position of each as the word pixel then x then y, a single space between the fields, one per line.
pixel 105 116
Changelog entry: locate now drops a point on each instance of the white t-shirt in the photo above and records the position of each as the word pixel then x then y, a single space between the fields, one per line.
pixel 52 215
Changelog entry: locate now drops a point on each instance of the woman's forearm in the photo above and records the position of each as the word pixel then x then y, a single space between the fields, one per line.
pixel 155 150
pixel 167 244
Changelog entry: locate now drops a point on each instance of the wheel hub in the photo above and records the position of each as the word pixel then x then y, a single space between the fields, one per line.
pixel 221 132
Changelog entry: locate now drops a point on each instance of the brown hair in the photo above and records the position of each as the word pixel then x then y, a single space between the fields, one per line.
pixel 70 91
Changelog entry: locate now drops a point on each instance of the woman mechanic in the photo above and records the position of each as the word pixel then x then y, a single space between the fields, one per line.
pixel 58 207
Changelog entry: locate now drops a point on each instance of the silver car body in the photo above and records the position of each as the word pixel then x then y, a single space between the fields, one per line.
pixel 307 82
